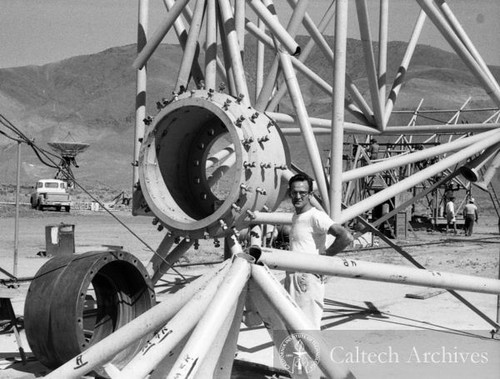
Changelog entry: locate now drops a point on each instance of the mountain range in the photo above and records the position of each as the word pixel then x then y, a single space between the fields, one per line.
pixel 91 99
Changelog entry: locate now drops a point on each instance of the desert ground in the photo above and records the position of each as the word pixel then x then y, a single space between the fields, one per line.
pixel 375 315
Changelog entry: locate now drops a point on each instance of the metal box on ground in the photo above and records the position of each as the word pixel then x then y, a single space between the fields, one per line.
pixel 60 239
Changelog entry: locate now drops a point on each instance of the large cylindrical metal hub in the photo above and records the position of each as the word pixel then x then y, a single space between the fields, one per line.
pixel 75 301
pixel 207 161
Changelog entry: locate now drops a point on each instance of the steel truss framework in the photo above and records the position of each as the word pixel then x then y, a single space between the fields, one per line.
pixel 204 134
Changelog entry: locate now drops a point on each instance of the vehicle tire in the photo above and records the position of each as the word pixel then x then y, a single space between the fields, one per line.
pixel 67 208
pixel 58 209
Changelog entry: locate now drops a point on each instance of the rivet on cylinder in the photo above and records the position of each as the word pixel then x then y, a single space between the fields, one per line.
pixel 239 121
pixel 247 141
pixel 261 191
pixel 223 224
pixel 250 214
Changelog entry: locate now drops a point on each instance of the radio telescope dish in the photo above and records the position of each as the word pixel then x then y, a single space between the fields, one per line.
pixel 68 149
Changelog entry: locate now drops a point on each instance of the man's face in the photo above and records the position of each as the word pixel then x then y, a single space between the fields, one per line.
pixel 299 193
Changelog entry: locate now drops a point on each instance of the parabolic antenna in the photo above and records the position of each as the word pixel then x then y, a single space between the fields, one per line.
pixel 68 149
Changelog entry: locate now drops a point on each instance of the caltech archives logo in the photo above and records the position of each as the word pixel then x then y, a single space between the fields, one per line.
pixel 293 354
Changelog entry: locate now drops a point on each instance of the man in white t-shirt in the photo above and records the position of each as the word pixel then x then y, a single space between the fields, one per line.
pixel 308 234
pixel 450 215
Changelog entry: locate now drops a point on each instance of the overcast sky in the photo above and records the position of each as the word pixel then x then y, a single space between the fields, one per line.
pixel 36 32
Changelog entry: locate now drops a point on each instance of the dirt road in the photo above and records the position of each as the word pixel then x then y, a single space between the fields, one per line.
pixel 93 231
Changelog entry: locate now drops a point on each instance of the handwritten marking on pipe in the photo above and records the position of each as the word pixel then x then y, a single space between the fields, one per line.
pixel 148 346
pixel 186 367
pixel 160 336
pixel 79 362
pixel 349 263
pixel 402 278
pixel 163 333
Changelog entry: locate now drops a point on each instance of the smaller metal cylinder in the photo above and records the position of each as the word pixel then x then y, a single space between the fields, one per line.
pixel 75 301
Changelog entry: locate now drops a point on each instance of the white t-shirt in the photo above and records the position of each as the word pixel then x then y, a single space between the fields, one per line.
pixel 309 231
pixel 450 208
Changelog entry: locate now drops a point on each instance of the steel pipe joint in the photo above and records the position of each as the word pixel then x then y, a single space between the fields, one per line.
pixel 191 196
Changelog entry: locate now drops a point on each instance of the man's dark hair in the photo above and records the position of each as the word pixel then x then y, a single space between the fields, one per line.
pixel 301 178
